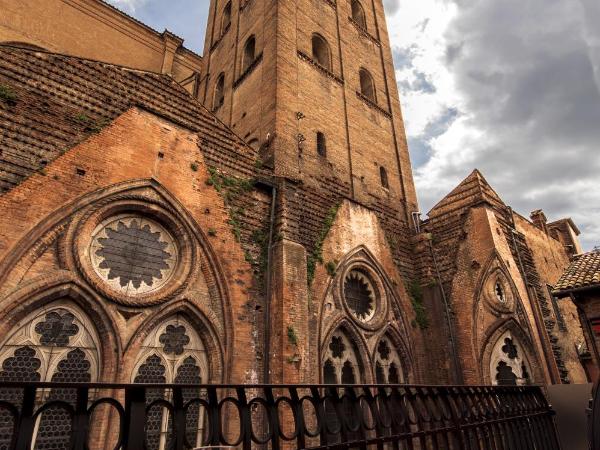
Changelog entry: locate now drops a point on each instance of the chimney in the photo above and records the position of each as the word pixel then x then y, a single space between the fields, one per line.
pixel 539 220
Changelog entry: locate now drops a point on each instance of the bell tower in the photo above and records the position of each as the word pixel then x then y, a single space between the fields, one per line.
pixel 311 84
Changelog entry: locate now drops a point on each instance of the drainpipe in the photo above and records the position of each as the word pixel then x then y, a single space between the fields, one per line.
pixel 457 368
pixel 267 321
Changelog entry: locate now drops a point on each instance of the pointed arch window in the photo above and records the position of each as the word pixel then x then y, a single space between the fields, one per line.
pixel 509 365
pixel 249 53
pixel 367 85
pixel 59 344
pixel 219 96
pixel 341 365
pixel 226 22
pixel 172 353
pixel 358 15
pixel 388 367
pixel 320 51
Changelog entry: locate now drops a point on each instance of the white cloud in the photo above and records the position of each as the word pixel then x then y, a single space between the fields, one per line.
pixel 522 80
pixel 129 6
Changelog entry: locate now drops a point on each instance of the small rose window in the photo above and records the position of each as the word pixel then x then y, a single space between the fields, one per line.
pixel 133 254
pixel 360 295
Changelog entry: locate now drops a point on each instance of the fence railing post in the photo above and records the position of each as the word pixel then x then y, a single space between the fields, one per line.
pixel 135 418
pixel 80 421
pixel 26 422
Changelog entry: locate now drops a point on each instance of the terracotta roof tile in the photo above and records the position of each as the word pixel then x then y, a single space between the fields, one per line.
pixel 52 102
pixel 583 272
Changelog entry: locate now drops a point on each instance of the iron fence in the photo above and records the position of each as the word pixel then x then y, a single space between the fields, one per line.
pixel 157 417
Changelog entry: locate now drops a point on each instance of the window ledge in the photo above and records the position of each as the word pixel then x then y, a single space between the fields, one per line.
pixel 320 68
pixel 218 41
pixel 248 71
pixel 373 105
pixel 364 32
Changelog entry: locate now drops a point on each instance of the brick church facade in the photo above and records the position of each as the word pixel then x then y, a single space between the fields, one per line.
pixel 250 215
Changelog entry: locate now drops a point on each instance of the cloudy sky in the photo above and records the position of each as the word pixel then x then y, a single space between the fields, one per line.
pixel 510 87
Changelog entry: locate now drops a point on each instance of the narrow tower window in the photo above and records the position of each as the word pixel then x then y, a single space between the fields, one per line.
pixel 249 53
pixel 219 92
pixel 367 86
pixel 321 144
pixel 384 177
pixel 358 14
pixel 226 18
pixel 320 51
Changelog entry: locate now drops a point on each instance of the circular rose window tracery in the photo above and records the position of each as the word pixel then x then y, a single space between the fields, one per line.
pixel 133 254
pixel 360 295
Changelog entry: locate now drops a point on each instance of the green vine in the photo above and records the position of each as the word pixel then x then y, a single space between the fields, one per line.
pixel 317 254
pixel 7 94
pixel 230 189
pixel 292 336
pixel 416 295
pixel 331 268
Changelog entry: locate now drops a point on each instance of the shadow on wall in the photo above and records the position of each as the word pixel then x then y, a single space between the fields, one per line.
pixel 570 402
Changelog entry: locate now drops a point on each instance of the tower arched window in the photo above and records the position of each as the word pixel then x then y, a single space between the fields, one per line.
pixel 249 53
pixel 341 365
pixel 367 85
pixel 509 365
pixel 172 353
pixel 388 367
pixel 226 21
pixel 384 177
pixel 219 96
pixel 56 344
pixel 358 14
pixel 320 51
pixel 321 144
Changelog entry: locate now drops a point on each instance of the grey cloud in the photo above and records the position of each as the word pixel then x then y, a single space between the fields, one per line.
pixel 422 83
pixel 391 6
pixel 420 146
pixel 403 57
pixel 530 80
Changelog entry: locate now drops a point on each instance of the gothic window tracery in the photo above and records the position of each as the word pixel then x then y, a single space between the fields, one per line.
pixel 56 343
pixel 172 353
pixel 360 295
pixel 388 367
pixel 341 364
pixel 509 365
pixel 133 254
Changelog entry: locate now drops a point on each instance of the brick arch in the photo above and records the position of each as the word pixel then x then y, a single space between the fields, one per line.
pixel 217 358
pixel 39 295
pixel 494 333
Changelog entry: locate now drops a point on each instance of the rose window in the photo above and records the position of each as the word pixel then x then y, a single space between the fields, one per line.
pixel 360 295
pixel 133 254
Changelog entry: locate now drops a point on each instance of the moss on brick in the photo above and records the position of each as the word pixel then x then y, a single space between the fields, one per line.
pixel 316 256
pixel 416 295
